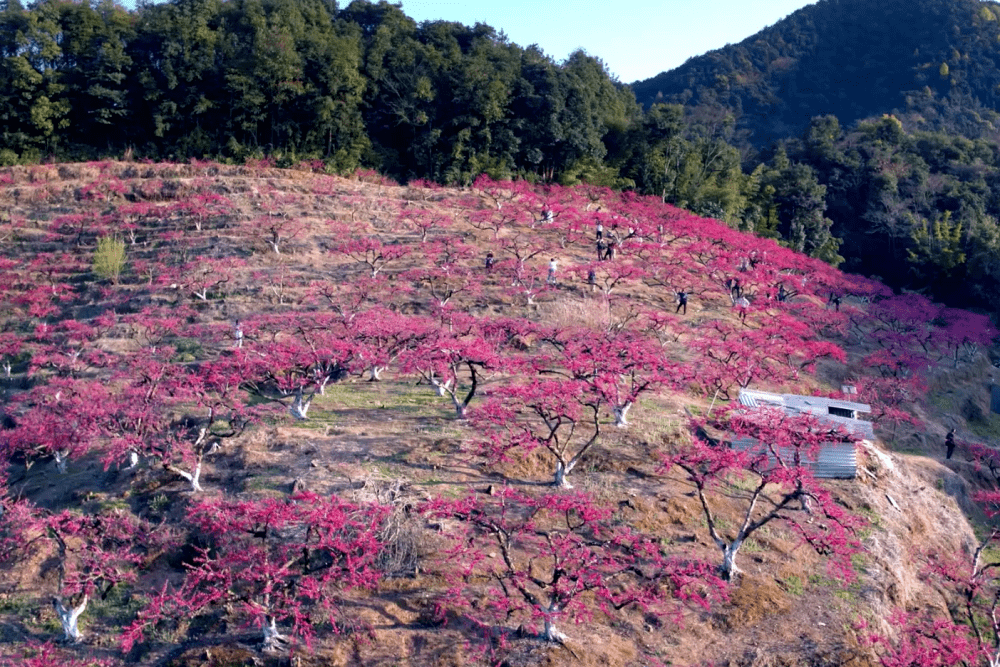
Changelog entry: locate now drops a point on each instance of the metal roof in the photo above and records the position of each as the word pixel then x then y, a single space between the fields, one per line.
pixel 753 398
pixel 857 427
pixel 822 402
pixel 835 460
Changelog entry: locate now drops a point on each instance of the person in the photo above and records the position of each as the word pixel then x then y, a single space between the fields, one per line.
pixel 600 231
pixel 682 302
pixel 610 254
pixel 489 261
pixel 601 247
pixel 743 303
pixel 551 280
pixel 834 301
pixel 592 279
pixel 238 334
pixel 782 294
pixel 949 442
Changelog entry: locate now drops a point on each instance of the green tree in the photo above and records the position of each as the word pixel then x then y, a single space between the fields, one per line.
pixel 109 258
pixel 33 109
pixel 801 205
pixel 936 255
pixel 96 69
pixel 983 262
pixel 180 87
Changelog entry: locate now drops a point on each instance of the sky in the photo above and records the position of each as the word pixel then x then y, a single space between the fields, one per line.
pixel 636 39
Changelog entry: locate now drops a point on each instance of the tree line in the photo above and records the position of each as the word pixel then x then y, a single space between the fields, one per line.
pixel 364 85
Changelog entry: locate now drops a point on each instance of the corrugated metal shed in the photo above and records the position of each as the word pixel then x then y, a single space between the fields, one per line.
pixel 835 460
pixel 817 406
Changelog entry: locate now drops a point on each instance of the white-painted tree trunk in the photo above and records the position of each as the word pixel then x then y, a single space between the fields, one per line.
pixel 193 478
pixel 60 461
pixel 442 388
pixel 300 408
pixel 551 633
pixel 273 640
pixel 621 414
pixel 375 373
pixel 68 618
pixel 562 471
pixel 729 570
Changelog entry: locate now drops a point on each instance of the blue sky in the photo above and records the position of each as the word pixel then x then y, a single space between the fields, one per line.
pixel 636 39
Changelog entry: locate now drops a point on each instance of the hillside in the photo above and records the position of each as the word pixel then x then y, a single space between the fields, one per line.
pixel 851 59
pixel 247 405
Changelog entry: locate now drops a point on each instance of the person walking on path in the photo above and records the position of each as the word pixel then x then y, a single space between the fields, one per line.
pixel 743 304
pixel 949 443
pixel 238 334
pixel 592 279
pixel 553 265
pixel 601 247
pixel 682 302
pixel 600 231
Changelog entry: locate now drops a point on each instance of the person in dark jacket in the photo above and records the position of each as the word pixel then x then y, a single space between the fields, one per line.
pixel 682 302
pixel 949 443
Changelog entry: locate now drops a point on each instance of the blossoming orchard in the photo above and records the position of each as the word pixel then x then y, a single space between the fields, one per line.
pixel 310 412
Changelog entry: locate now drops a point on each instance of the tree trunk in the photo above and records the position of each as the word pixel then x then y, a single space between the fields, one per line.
pixel 68 619
pixel 60 462
pixel 442 388
pixel 300 408
pixel 728 568
pixel 551 633
pixel 273 640
pixel 193 478
pixel 562 470
pixel 621 414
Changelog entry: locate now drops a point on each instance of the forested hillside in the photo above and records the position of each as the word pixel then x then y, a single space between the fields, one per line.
pixel 852 59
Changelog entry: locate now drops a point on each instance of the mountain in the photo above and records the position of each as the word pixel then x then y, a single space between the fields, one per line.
pixel 852 59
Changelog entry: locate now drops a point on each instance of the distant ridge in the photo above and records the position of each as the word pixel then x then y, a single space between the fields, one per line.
pixel 850 58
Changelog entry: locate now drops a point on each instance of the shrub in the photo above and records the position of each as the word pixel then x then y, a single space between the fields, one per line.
pixel 109 258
